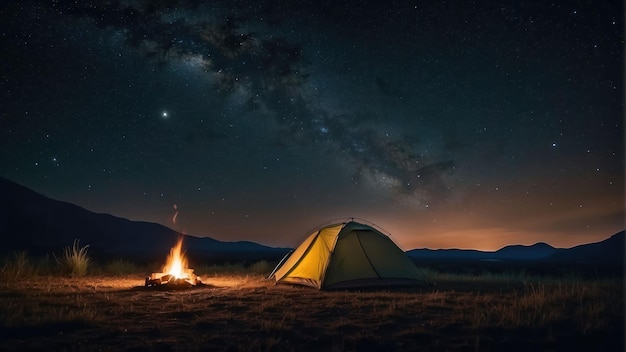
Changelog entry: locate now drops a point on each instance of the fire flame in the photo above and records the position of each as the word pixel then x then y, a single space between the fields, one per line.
pixel 175 270
pixel 176 264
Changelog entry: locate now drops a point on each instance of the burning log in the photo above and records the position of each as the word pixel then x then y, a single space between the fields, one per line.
pixel 175 272
pixel 159 279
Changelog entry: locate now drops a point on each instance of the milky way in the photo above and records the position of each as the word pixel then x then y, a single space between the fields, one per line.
pixel 446 124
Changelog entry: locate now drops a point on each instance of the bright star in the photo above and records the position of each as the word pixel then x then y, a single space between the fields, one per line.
pixel 164 114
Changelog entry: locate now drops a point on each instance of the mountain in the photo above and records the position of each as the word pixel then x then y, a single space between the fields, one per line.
pixel 37 224
pixel 427 253
pixel 609 251
pixel 536 251
pixel 517 252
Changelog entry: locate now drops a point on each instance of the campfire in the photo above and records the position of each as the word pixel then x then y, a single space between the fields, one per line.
pixel 175 272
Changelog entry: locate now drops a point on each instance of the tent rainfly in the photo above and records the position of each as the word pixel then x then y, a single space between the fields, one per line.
pixel 347 255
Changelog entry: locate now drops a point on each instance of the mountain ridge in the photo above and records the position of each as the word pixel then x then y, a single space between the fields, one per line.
pixel 36 223
pixel 610 250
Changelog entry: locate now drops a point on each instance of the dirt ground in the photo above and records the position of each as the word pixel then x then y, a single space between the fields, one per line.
pixel 238 313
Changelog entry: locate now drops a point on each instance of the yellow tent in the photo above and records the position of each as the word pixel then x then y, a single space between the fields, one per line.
pixel 347 255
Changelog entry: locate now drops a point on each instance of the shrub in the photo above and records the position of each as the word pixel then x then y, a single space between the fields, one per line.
pixel 75 261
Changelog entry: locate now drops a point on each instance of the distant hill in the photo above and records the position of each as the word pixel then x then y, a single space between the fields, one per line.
pixel 447 253
pixel 609 251
pixel 32 222
pixel 535 251
pixel 35 223
pixel 517 252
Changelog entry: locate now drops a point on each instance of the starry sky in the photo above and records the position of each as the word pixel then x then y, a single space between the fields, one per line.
pixel 449 124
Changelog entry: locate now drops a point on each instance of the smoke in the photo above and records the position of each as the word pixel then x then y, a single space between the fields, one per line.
pixel 175 214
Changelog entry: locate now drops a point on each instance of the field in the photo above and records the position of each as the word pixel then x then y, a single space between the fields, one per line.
pixel 237 309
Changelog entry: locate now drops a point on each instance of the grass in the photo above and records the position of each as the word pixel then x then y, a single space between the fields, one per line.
pixel 19 265
pixel 120 267
pixel 259 267
pixel 18 313
pixel 75 260
pixel 585 305
pixel 16 266
pixel 433 275
pixel 108 308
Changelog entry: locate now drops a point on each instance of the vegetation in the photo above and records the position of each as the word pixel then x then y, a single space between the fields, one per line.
pixel 17 266
pixel 237 308
pixel 259 267
pixel 75 260
pixel 120 267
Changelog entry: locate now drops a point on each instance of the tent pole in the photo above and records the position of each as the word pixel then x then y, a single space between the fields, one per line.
pixel 279 264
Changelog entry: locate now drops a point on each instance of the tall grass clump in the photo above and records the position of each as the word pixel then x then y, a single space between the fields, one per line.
pixel 16 266
pixel 74 260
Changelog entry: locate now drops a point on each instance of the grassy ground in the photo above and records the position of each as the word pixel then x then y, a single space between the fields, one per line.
pixel 240 310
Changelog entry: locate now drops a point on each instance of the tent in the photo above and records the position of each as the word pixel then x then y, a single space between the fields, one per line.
pixel 347 255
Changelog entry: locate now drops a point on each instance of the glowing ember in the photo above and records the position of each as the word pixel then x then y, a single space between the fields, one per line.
pixel 175 270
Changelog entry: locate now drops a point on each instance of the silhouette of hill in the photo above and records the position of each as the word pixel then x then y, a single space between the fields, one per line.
pixel 536 251
pixel 37 224
pixel 517 252
pixel 609 251
pixel 40 225
pixel 453 253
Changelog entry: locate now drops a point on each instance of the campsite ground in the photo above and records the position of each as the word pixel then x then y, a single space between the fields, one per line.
pixel 245 312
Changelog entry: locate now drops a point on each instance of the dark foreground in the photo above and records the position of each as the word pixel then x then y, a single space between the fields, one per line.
pixel 233 313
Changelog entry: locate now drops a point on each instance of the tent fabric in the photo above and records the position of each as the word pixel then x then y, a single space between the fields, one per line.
pixel 347 255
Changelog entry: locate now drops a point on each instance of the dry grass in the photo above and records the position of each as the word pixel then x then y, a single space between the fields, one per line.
pixel 246 312
pixel 75 260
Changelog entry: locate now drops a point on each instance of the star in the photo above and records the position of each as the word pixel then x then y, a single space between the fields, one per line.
pixel 260 117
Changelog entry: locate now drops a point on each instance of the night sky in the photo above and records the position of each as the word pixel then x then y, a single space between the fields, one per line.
pixel 446 123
